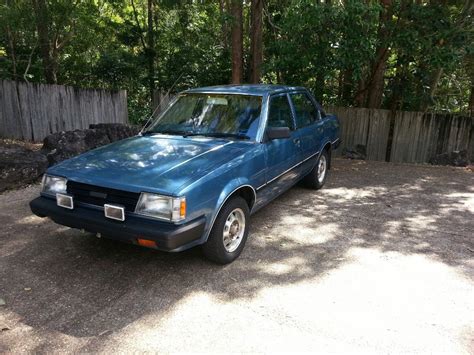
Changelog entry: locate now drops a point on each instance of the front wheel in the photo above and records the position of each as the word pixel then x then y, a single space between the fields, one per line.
pixel 317 177
pixel 229 233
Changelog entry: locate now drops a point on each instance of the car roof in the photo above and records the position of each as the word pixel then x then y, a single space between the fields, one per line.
pixel 251 89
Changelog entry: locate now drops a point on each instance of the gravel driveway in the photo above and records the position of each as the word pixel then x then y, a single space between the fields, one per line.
pixel 379 261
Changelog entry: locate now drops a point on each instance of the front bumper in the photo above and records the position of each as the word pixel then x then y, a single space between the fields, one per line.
pixel 168 236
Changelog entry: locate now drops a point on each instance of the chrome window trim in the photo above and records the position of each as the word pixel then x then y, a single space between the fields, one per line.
pixel 220 93
pixel 263 119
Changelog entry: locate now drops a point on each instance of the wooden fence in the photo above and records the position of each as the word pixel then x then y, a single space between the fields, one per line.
pixel 33 111
pixel 405 137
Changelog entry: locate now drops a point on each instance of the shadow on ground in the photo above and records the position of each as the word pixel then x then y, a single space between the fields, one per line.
pixel 56 279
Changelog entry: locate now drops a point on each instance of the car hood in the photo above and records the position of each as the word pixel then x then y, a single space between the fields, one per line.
pixel 151 163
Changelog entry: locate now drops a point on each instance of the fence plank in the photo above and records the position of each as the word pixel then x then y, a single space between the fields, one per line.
pixel 33 111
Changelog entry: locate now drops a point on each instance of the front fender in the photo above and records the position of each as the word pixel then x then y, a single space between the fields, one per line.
pixel 227 191
pixel 211 191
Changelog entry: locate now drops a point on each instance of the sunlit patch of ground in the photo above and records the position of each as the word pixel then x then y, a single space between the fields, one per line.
pixel 377 302
pixel 379 261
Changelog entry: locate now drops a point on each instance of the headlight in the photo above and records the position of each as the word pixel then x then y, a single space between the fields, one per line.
pixel 164 207
pixel 52 185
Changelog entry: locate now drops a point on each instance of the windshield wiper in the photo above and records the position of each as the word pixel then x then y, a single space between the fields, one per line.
pixel 191 133
pixel 167 131
pixel 219 135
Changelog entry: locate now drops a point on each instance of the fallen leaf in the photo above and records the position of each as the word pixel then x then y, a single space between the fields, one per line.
pixel 27 288
pixel 2 302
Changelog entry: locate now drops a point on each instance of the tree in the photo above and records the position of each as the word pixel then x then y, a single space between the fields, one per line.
pixel 256 46
pixel 150 50
pixel 148 43
pixel 237 41
pixel 375 84
pixel 42 25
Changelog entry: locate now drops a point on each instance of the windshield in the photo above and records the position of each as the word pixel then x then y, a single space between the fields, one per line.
pixel 215 115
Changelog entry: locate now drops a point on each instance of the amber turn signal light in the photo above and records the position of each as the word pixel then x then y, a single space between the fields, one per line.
pixel 146 243
pixel 182 209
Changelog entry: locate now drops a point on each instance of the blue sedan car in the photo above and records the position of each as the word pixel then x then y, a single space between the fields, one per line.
pixel 215 156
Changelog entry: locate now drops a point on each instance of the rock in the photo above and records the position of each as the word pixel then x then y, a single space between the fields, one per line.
pixel 358 153
pixel 456 158
pixel 67 144
pixel 20 166
pixel 116 131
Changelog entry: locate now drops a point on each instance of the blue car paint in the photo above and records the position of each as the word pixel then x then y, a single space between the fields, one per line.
pixel 207 170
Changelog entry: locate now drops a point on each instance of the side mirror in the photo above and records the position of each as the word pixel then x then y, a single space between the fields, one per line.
pixel 278 132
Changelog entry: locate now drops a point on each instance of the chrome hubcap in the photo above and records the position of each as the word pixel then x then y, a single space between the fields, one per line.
pixel 234 229
pixel 322 168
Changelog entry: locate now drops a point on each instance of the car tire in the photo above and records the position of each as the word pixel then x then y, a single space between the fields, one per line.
pixel 318 176
pixel 229 232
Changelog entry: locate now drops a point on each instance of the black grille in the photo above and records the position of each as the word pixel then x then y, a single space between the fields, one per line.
pixel 96 195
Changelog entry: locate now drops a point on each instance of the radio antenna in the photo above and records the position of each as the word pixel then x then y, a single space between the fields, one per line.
pixel 159 106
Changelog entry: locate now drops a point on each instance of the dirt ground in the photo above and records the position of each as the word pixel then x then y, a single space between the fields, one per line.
pixel 379 261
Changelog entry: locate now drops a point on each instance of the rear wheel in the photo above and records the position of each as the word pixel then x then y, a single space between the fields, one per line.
pixel 229 233
pixel 317 177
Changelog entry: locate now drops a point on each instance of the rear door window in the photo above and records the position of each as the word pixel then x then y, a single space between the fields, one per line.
pixel 306 112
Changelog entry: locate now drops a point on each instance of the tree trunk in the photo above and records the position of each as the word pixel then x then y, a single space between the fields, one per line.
pixel 237 41
pixel 429 100
pixel 151 51
pixel 256 51
pixel 340 83
pixel 470 109
pixel 224 9
pixel 11 49
pixel 375 91
pixel 319 89
pixel 376 81
pixel 398 82
pixel 361 95
pixel 347 86
pixel 42 20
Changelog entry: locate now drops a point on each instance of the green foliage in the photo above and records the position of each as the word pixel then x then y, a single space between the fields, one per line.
pixel 330 48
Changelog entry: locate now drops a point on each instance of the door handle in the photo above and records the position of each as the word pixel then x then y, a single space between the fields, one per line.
pixel 297 141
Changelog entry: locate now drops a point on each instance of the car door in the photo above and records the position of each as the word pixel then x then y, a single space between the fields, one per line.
pixel 282 155
pixel 309 127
